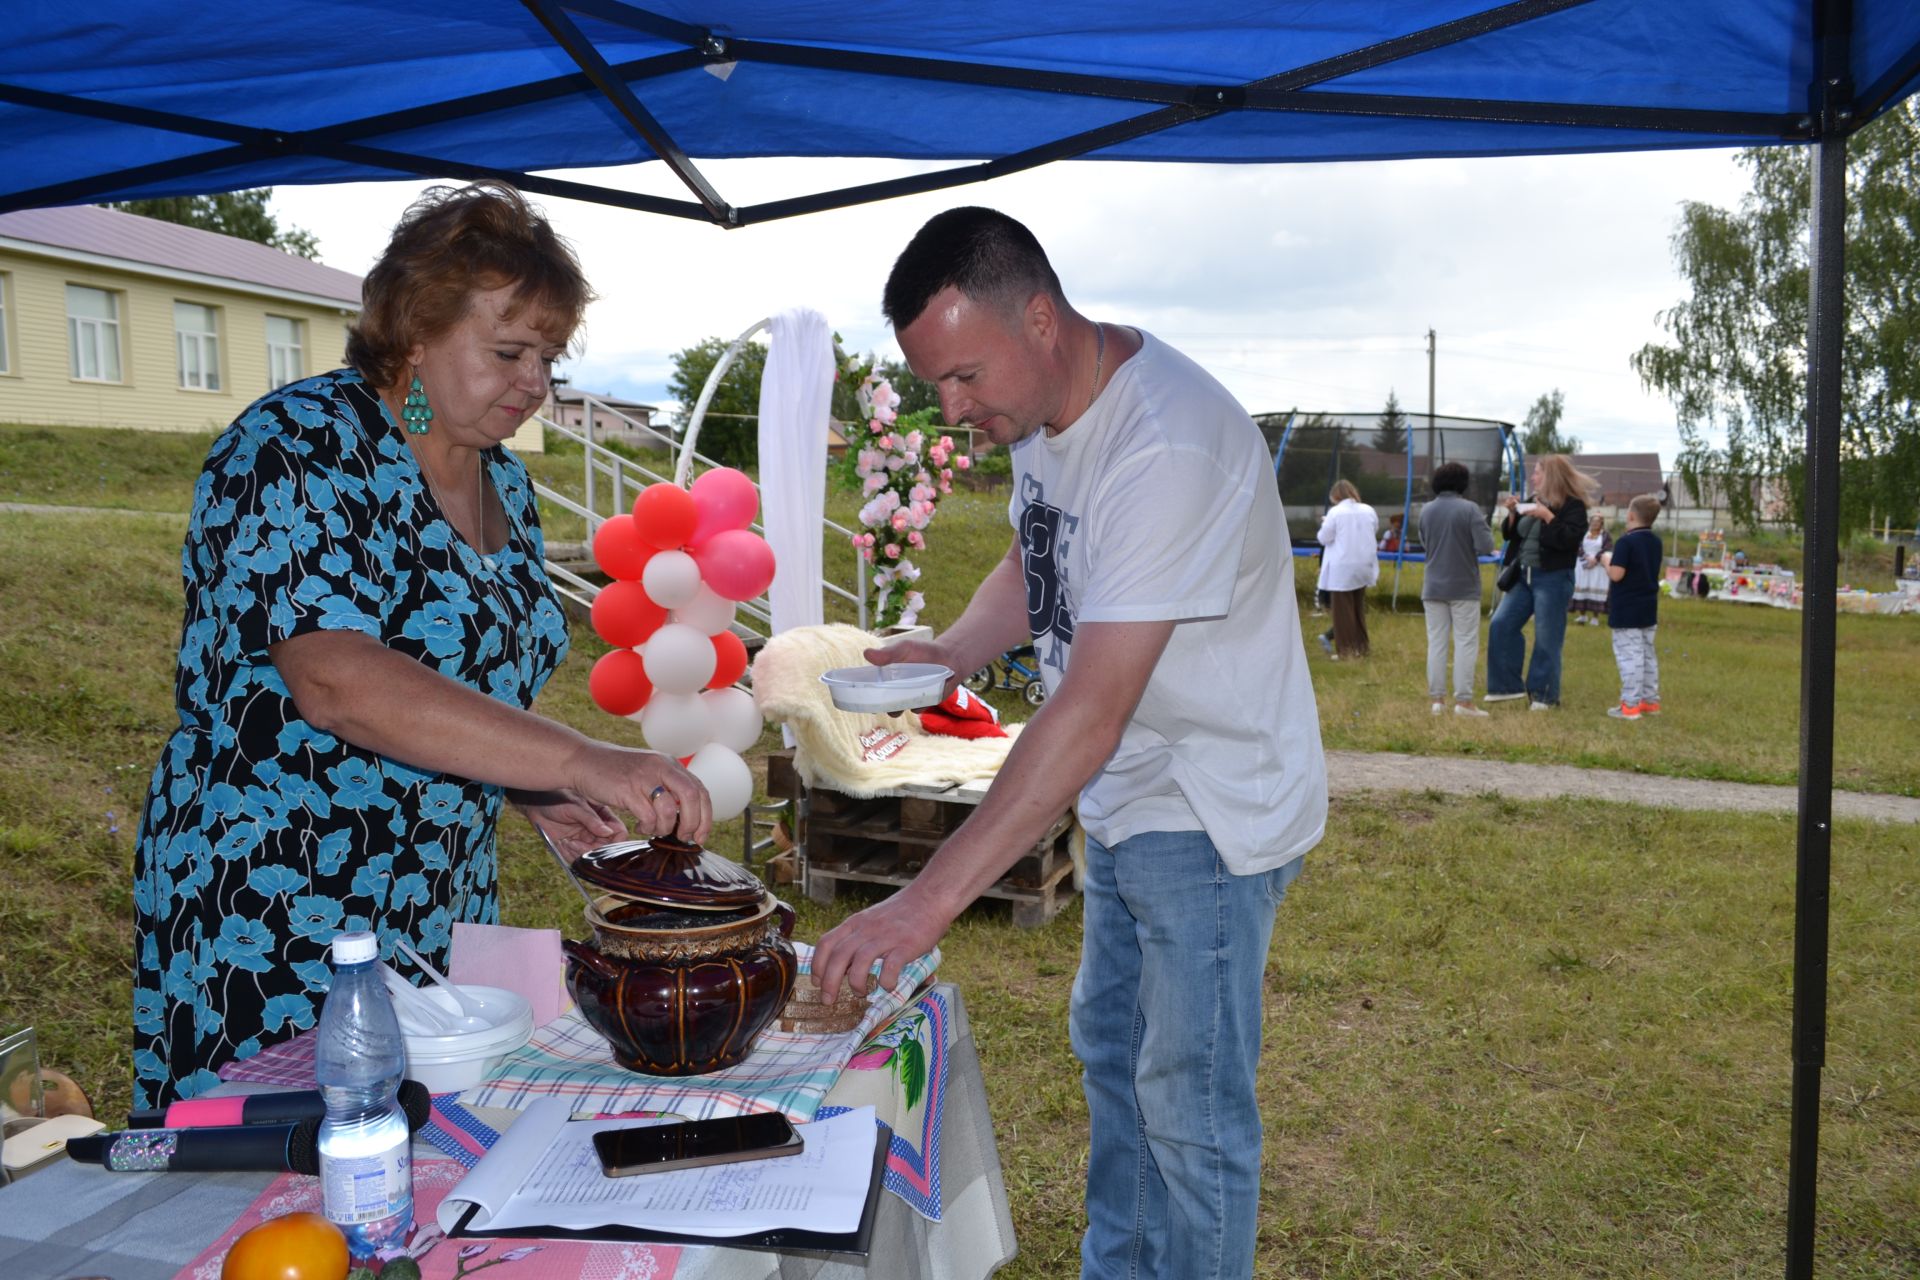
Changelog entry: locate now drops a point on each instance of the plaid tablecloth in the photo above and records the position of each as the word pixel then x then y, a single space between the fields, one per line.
pixel 72 1220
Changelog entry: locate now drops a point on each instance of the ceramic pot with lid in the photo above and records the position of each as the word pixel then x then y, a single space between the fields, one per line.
pixel 690 958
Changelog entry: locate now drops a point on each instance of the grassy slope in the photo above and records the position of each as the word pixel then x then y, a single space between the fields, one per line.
pixel 1504 1040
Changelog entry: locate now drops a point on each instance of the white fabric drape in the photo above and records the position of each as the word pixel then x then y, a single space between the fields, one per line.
pixel 796 391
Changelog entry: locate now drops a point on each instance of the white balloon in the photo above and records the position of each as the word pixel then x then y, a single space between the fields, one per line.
pixel 676 724
pixel 736 720
pixel 671 579
pixel 728 781
pixel 678 658
pixel 706 613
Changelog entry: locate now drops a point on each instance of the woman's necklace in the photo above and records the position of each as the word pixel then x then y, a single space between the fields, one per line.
pixel 479 499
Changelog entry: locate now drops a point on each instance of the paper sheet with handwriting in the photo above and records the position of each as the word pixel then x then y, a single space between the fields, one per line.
pixel 543 1173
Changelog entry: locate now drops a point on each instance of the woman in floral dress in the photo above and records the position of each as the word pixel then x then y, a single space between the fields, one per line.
pixel 367 623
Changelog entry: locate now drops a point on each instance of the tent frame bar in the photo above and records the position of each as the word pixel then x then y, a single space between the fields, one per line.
pixel 616 91
pixel 1830 99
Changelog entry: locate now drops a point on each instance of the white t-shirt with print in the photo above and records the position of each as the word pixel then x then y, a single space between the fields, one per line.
pixel 1159 503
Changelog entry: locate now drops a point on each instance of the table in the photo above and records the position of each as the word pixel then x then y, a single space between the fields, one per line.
pixel 78 1220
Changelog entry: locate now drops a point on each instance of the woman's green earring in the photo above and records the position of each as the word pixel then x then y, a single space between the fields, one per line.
pixel 416 412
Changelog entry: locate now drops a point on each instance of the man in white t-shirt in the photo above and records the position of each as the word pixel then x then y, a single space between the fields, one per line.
pixel 1151 569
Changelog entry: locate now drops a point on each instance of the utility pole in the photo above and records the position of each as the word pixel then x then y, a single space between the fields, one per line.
pixel 1431 460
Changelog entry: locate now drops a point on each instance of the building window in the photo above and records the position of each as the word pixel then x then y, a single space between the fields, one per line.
pixel 284 363
pixel 196 333
pixel 93 333
pixel 6 351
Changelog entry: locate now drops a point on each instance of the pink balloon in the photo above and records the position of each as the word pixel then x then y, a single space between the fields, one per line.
pixel 725 499
pixel 738 565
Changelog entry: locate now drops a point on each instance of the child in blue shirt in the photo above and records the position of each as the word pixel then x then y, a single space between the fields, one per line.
pixel 1633 608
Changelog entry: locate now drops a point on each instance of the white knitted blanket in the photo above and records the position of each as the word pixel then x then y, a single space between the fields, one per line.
pixel 858 753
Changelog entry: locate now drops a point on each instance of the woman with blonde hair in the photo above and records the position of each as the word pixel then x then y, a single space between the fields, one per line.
pixel 1548 526
pixel 1349 565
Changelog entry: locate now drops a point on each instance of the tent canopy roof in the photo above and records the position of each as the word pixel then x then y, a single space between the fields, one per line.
pixel 125 98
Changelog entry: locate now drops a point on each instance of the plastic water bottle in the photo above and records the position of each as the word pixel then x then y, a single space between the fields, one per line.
pixel 366 1157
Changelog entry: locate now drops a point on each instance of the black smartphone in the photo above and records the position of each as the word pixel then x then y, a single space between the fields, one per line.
pixel 688 1144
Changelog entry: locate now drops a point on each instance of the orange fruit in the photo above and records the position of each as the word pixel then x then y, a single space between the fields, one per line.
pixel 294 1246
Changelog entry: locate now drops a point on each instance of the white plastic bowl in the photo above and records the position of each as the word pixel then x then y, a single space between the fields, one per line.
pixel 898 686
pixel 459 1060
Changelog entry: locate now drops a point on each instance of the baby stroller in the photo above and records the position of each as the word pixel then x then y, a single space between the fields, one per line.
pixel 1016 669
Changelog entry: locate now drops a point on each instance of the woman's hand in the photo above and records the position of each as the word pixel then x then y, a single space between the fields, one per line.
pixel 573 824
pixel 663 797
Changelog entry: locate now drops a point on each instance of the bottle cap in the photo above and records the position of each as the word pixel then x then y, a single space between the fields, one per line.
pixel 355 948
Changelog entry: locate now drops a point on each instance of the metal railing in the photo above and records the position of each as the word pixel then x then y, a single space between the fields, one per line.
pixel 611 481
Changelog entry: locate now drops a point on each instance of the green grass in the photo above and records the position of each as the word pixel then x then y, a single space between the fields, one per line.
pixel 1503 1040
pixel 1729 685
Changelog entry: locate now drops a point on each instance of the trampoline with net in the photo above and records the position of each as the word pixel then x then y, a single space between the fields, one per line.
pixel 1389 458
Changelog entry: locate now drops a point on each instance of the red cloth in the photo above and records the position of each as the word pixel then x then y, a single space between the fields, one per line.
pixel 963 715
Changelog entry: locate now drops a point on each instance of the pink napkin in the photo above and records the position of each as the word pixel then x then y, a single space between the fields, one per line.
pixel 528 962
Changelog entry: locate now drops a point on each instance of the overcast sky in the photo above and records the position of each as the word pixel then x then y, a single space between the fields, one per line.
pixel 1309 286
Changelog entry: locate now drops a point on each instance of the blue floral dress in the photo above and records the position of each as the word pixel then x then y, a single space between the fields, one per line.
pixel 263 837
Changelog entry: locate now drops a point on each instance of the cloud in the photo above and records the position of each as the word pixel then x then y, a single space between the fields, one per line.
pixel 1307 285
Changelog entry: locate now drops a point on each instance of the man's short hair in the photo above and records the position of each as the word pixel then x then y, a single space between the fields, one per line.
pixel 983 253
pixel 1646 507
pixel 1451 477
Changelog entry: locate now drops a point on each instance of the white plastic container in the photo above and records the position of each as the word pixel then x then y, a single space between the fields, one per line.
pixel 459 1060
pixel 898 686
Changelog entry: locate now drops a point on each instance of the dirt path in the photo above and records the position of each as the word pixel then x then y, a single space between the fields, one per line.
pixel 1349 772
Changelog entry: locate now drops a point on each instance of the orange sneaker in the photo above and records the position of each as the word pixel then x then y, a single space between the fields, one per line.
pixel 1650 708
pixel 1625 711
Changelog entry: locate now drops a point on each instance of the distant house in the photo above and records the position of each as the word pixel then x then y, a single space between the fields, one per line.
pixel 1623 476
pixel 627 421
pixel 112 320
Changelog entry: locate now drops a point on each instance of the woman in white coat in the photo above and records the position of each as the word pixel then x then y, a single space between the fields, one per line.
pixel 1349 565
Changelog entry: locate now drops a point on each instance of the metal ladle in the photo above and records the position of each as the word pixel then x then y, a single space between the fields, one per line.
pixel 567 867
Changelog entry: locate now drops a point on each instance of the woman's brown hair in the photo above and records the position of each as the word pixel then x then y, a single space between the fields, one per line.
pixel 1343 489
pixel 450 244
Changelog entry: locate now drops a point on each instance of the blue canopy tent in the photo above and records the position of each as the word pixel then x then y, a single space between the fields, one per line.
pixel 123 98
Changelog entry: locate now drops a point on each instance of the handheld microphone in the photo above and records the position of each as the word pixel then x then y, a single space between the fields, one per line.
pixel 270 1148
pixel 268 1108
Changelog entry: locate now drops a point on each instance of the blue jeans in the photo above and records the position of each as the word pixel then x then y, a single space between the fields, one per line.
pixel 1166 1021
pixel 1541 595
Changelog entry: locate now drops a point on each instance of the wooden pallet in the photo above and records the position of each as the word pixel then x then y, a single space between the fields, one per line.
pixel 887 839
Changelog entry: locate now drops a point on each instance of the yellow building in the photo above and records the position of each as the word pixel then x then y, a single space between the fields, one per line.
pixel 112 320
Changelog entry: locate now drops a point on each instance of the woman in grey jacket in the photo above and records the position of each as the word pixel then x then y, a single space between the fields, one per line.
pixel 1453 537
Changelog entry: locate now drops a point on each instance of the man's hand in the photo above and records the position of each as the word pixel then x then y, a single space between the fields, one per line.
pixel 895 932
pixel 918 651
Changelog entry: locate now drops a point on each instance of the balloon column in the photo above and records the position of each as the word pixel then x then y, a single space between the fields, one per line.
pixel 679 565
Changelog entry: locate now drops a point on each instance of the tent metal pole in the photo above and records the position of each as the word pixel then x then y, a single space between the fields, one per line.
pixel 1815 838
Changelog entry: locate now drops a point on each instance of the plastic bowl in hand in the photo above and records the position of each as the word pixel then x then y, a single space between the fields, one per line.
pixel 898 686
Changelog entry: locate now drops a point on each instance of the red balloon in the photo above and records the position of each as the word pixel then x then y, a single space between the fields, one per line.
pixel 664 516
pixel 738 565
pixel 618 683
pixel 730 660
pixel 725 499
pixel 618 551
pixel 624 615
